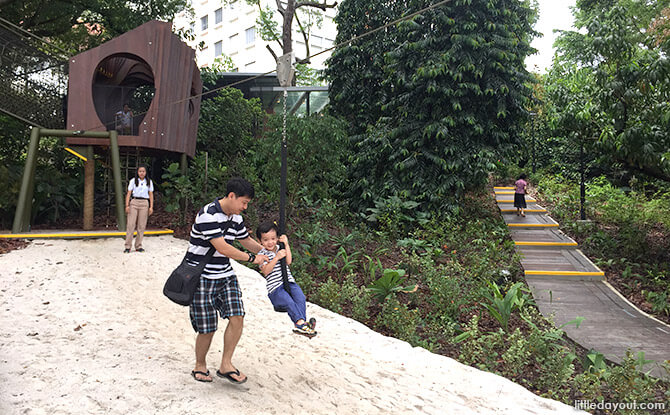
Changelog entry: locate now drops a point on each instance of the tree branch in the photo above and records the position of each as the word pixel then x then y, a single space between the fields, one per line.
pixel 280 8
pixel 304 36
pixel 323 6
pixel 272 52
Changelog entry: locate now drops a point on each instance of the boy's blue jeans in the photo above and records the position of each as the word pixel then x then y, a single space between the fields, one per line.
pixel 294 303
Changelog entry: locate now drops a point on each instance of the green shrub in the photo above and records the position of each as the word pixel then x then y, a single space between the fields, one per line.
pixel 401 321
pixel 389 283
pixel 329 295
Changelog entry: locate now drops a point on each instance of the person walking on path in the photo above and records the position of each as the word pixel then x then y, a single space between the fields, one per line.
pixel 139 205
pixel 292 301
pixel 520 195
pixel 218 225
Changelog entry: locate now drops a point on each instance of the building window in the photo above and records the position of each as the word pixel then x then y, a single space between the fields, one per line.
pixel 204 23
pixel 249 65
pixel 218 48
pixel 251 35
pixel 218 16
pixel 232 39
pixel 192 27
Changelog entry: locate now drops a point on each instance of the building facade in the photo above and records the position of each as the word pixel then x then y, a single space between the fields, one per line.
pixel 230 27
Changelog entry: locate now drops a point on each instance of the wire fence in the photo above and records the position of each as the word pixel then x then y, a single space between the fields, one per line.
pixel 33 78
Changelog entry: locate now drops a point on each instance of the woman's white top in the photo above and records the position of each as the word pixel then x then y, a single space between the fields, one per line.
pixel 142 189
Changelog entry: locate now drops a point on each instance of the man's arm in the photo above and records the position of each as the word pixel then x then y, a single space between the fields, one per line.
pixel 231 252
pixel 251 244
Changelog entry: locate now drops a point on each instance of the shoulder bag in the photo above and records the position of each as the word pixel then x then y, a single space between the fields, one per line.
pixel 184 280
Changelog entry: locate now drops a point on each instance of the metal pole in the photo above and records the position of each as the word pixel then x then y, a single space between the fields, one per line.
pixel 24 204
pixel 116 170
pixel 582 187
pixel 282 195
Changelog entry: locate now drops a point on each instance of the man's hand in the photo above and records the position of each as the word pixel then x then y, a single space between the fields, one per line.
pixel 261 259
pixel 151 211
pixel 283 239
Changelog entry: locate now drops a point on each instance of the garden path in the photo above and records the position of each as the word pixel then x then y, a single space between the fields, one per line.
pixel 567 285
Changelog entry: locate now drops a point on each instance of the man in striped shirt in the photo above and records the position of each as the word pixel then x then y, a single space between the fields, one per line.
pixel 218 225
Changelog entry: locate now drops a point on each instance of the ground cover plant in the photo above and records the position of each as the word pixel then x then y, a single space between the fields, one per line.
pixel 470 302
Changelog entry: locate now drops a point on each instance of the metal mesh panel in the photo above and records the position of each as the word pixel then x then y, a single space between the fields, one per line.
pixel 33 78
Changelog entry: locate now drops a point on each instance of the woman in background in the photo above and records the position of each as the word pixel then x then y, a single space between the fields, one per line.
pixel 139 205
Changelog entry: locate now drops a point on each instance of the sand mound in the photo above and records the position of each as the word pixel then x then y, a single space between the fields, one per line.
pixel 86 330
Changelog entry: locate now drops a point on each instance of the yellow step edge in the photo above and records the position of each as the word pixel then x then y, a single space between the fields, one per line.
pixel 546 243
pixel 78 235
pixel 525 210
pixel 511 201
pixel 503 187
pixel 585 273
pixel 533 225
pixel 504 193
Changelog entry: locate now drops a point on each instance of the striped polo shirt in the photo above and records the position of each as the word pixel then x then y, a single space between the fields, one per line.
pixel 274 280
pixel 212 223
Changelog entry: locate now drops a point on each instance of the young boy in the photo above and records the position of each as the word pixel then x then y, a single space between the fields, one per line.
pixel 294 301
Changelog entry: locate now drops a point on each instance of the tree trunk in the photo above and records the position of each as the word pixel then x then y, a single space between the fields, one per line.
pixel 287 33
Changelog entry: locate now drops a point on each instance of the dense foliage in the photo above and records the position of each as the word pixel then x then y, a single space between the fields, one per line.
pixel 454 93
pixel 80 25
pixel 609 89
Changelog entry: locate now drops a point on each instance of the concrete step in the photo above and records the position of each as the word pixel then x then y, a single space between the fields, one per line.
pixel 563 264
pixel 530 221
pixel 510 199
pixel 538 238
pixel 533 208
pixel 503 188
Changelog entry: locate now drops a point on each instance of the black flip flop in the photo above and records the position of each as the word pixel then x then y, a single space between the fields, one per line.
pixel 228 376
pixel 199 372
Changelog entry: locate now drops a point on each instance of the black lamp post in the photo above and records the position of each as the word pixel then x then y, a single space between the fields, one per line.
pixel 582 187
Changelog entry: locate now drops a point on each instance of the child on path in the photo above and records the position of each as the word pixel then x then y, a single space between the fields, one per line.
pixel 520 195
pixel 294 301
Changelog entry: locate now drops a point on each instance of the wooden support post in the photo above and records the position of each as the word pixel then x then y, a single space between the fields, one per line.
pixel 89 188
pixel 116 171
pixel 184 164
pixel 25 202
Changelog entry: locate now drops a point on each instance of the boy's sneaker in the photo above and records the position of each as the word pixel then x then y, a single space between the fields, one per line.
pixel 312 323
pixel 305 330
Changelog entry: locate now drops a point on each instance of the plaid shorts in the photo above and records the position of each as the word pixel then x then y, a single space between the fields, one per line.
pixel 223 295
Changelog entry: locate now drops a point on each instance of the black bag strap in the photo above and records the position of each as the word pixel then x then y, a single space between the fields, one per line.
pixel 203 263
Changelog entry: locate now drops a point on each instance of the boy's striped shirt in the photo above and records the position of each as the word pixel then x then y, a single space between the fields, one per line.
pixel 211 223
pixel 274 279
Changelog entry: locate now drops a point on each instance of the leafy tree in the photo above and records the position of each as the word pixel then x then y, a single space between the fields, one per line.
pixel 457 87
pixel 356 70
pixel 620 80
pixel 83 24
pixel 288 10
pixel 227 126
pixel 316 154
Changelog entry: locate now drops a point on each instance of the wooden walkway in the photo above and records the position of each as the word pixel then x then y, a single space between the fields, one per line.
pixel 567 285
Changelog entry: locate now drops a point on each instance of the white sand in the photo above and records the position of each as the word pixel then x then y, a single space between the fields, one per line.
pixel 85 329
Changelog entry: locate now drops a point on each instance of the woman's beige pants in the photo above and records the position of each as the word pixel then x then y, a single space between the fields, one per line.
pixel 137 219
